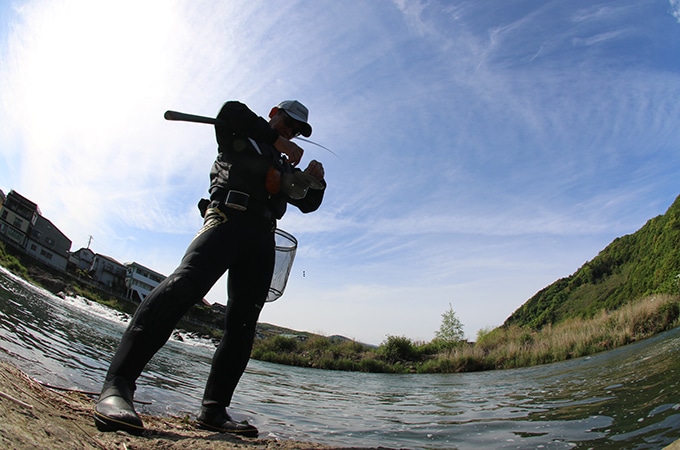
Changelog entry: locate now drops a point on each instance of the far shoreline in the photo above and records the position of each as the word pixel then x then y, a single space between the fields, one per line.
pixel 505 347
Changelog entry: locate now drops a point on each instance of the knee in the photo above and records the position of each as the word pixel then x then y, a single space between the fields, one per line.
pixel 243 318
pixel 174 296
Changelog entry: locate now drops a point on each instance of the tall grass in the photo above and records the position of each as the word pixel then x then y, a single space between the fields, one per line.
pixel 12 263
pixel 513 346
pixel 501 348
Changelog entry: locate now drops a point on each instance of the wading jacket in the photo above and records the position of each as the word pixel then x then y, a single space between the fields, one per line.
pixel 245 155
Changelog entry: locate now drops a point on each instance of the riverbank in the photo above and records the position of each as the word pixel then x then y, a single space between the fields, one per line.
pixel 504 347
pixel 501 348
pixel 34 416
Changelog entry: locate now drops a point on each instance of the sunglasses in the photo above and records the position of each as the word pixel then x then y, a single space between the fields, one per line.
pixel 291 123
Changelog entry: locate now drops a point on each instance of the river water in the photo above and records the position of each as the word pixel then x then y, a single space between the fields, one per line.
pixel 625 398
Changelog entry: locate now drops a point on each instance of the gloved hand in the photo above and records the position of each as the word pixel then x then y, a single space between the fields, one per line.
pixel 290 149
pixel 315 169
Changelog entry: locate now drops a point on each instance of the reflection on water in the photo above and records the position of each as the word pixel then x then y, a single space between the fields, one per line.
pixel 626 398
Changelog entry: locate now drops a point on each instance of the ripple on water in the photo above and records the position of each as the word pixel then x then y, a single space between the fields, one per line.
pixel 627 397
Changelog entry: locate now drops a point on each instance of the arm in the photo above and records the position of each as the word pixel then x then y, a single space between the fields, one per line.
pixel 241 121
pixel 314 197
pixel 290 149
pixel 312 200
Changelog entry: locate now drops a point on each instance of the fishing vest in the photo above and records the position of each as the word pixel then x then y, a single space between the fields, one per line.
pixel 243 165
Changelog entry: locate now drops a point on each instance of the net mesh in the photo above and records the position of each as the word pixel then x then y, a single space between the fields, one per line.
pixel 286 246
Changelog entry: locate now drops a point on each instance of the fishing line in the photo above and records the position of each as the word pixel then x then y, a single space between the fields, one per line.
pixel 318 145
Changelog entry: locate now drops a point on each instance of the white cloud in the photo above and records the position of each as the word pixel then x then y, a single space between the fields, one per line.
pixel 472 141
pixel 675 9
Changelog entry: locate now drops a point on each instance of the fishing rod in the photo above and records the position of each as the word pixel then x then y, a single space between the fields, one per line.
pixel 184 117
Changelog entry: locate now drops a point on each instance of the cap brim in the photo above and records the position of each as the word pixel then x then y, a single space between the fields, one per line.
pixel 305 128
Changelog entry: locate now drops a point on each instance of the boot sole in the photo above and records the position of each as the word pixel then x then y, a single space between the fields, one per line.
pixel 247 433
pixel 105 423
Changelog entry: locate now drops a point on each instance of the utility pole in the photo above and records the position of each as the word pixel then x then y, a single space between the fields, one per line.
pixel 89 241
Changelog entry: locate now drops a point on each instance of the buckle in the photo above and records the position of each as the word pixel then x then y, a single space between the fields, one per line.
pixel 237 200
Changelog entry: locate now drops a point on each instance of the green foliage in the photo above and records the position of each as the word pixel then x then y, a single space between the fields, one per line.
pixel 489 339
pixel 374 366
pixel 451 329
pixel 320 352
pixel 279 344
pixel 440 365
pixel 630 291
pixel 482 333
pixel 397 348
pixel 669 313
pixel 318 344
pixel 436 346
pixel 11 263
pixel 631 267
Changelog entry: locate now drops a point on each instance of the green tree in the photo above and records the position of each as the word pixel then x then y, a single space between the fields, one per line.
pixel 397 348
pixel 451 329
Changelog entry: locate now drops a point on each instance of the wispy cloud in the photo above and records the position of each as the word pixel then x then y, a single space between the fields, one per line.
pixel 675 9
pixel 480 145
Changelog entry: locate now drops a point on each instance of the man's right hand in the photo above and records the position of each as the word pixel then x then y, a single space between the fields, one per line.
pixel 290 149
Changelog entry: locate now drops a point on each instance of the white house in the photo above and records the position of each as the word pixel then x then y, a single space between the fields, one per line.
pixel 81 259
pixel 108 272
pixel 140 280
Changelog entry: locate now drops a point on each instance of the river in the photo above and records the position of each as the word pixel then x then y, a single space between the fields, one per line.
pixel 625 398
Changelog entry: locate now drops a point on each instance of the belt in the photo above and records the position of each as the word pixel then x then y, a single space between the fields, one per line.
pixel 241 201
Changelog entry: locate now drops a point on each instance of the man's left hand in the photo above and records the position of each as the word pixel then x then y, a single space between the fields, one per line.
pixel 315 169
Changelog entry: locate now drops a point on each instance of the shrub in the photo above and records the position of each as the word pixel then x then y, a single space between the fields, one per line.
pixel 284 344
pixel 440 365
pixel 669 312
pixel 317 343
pixel 345 364
pixel 397 348
pixel 374 366
pixel 526 339
pixel 12 264
pixel 352 347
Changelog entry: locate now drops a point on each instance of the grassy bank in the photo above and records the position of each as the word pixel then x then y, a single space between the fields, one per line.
pixel 500 348
pixel 12 263
pixel 515 346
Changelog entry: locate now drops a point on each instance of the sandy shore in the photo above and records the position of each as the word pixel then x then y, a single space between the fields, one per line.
pixel 34 416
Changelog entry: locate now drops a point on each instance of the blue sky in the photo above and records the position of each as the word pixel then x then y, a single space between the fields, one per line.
pixel 486 148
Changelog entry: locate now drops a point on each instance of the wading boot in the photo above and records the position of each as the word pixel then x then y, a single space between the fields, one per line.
pixel 217 419
pixel 114 410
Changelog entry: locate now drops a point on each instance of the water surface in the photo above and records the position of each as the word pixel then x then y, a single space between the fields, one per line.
pixel 625 398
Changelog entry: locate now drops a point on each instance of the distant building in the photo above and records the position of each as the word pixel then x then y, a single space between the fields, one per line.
pixel 47 244
pixel 17 216
pixel 81 260
pixel 23 226
pixel 109 273
pixel 140 280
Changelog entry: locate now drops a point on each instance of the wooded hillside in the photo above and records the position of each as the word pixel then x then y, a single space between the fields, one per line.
pixel 636 265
